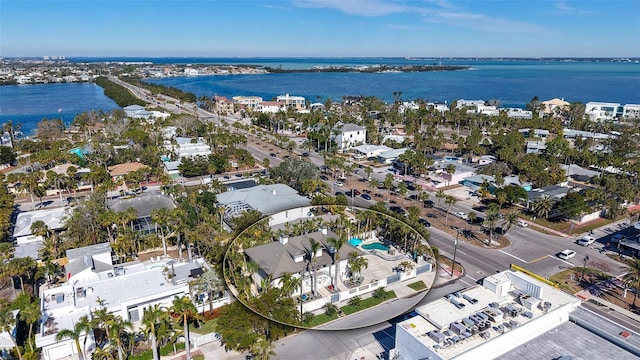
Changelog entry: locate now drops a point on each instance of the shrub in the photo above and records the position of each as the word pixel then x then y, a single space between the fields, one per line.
pixel 355 301
pixel 379 293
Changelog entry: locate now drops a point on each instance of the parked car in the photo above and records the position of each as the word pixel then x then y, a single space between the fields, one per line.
pixel 427 203
pixel 462 215
pixel 522 223
pixel 305 154
pixel 424 222
pixel 365 196
pixel 566 254
pixel 586 240
pixel 338 184
pixel 272 154
pixel 617 238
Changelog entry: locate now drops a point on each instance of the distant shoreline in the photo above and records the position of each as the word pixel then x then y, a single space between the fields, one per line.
pixel 369 69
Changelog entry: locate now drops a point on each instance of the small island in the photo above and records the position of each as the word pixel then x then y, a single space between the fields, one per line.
pixel 370 69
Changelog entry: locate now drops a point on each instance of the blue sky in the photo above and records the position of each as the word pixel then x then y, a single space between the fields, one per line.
pixel 242 28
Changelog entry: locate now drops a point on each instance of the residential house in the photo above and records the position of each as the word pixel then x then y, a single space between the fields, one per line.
pixel 136 112
pixel 125 290
pixel 517 113
pixel 188 147
pixel 293 255
pixel 26 243
pixel 144 204
pixel 441 177
pixel 554 106
pixel 267 199
pixel 251 102
pixel 440 106
pixel 119 171
pixel 222 105
pixel 271 107
pixel 388 157
pixel 578 173
pixel 631 111
pixel 535 147
pixel 297 103
pixel 534 133
pixel 601 111
pixel 367 151
pixel 349 135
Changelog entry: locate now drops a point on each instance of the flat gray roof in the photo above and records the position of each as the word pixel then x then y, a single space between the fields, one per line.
pixel 268 199
pixel 53 218
pixel 574 340
pixel 143 203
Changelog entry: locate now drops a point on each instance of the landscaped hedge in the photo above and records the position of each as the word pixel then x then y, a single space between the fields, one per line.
pixel 164 351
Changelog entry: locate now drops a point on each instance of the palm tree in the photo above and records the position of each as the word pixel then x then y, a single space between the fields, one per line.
pixel 289 283
pixel 82 327
pixel 357 263
pixel 7 324
pixel 633 278
pixel 450 201
pixel 542 206
pixel 313 248
pixel 510 220
pixel 337 244
pixel 490 220
pixel 262 348
pixel 30 314
pixel 211 284
pixel 472 216
pixel 117 329
pixel 58 181
pixel 152 317
pixel 184 308
pixel 440 195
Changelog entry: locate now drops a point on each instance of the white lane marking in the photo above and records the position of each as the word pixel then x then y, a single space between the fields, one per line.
pixel 513 256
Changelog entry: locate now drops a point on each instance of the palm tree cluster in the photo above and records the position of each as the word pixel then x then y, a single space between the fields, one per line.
pixel 115 337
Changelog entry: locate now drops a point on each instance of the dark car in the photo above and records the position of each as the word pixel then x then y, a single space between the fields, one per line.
pixel 339 193
pixel 365 196
pixel 397 209
pixel 305 154
pixel 424 222
pixel 427 203
pixel 272 154
pixel 324 177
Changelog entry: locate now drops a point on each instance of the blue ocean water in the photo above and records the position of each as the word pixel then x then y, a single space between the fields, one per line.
pixel 29 104
pixel 513 82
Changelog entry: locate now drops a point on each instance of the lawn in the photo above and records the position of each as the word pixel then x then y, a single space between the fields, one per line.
pixel 367 303
pixel 350 309
pixel 568 280
pixel 418 285
pixel 206 327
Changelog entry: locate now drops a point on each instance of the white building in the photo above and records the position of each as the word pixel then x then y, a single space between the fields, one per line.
pixel 631 111
pixel 136 112
pixel 27 244
pixel 601 111
pixel 349 135
pixel 439 106
pixel 271 107
pixel 188 147
pixel 483 322
pixel 517 113
pixel 252 102
pixel 367 151
pixel 292 102
pixel 124 290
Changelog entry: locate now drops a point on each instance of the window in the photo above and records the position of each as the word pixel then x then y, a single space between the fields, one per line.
pixel 134 315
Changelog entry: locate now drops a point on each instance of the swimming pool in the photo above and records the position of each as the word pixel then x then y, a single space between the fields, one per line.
pixel 355 242
pixel 376 246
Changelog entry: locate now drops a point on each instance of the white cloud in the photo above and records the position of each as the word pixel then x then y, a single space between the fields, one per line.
pixel 486 23
pixel 356 7
pixel 564 8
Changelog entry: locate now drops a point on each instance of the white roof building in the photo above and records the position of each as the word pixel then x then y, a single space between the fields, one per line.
pixel 349 135
pixel 369 151
pixel 292 102
pixel 189 147
pixel 267 199
pixel 124 290
pixel 27 244
pixel 484 322
pixel 601 111
pixel 631 111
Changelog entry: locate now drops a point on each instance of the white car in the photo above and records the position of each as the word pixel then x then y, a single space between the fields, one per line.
pixel 586 240
pixel 462 215
pixel 522 223
pixel 339 184
pixel 566 254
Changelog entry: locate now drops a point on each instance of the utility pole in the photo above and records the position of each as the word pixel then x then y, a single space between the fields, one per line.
pixel 455 248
